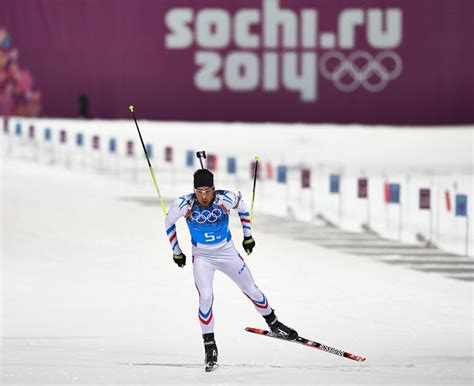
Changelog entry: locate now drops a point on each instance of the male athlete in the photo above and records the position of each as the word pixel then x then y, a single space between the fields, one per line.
pixel 207 215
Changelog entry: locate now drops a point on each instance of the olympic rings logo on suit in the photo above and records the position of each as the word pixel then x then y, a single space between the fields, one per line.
pixel 360 66
pixel 206 216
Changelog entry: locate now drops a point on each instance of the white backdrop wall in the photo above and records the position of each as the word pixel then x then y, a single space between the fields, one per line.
pixel 440 159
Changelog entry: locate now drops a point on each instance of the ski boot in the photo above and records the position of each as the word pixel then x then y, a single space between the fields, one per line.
pixel 279 328
pixel 210 349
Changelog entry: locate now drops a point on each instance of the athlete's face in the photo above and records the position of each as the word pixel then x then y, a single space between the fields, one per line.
pixel 204 195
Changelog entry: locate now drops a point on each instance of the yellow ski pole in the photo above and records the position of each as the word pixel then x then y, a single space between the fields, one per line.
pixel 131 108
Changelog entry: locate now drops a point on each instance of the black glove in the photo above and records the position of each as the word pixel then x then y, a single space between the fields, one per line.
pixel 248 244
pixel 180 259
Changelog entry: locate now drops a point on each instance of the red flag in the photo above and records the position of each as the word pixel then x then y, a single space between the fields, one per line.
pixel 269 171
pixel 130 148
pixel 96 142
pixel 252 169
pixel 62 136
pixel 448 200
pixel 211 162
pixel 386 193
pixel 168 154
pixel 305 178
pixel 362 184
pixel 425 198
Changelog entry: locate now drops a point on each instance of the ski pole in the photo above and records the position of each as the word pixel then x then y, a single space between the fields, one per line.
pixel 131 108
pixel 257 158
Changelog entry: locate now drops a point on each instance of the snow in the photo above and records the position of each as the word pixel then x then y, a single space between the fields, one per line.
pixel 90 294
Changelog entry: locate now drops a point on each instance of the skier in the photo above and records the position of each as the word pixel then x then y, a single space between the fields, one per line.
pixel 207 215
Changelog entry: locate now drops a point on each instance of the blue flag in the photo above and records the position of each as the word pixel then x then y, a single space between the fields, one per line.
pixel 334 180
pixel 190 158
pixel 79 139
pixel 281 174
pixel 394 193
pixel 461 205
pixel 47 134
pixel 149 150
pixel 112 145
pixel 231 165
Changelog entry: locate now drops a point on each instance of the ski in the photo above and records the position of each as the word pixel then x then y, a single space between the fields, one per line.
pixel 210 366
pixel 309 343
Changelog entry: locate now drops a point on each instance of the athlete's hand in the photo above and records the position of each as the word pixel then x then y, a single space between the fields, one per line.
pixel 248 244
pixel 180 260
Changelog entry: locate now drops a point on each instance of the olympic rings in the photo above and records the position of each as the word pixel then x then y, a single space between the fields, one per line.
pixel 360 66
pixel 206 216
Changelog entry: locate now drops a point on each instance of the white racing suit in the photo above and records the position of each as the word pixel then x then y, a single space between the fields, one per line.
pixel 213 249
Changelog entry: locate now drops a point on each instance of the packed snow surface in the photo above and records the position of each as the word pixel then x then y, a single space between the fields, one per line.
pixel 90 295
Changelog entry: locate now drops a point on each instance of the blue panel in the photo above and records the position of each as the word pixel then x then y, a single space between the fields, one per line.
pixel 79 139
pixel 149 150
pixel 231 165
pixel 334 180
pixel 47 134
pixel 281 174
pixel 112 145
pixel 461 205
pixel 190 158
pixel 395 193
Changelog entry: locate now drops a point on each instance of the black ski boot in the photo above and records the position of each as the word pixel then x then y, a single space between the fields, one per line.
pixel 279 328
pixel 210 349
